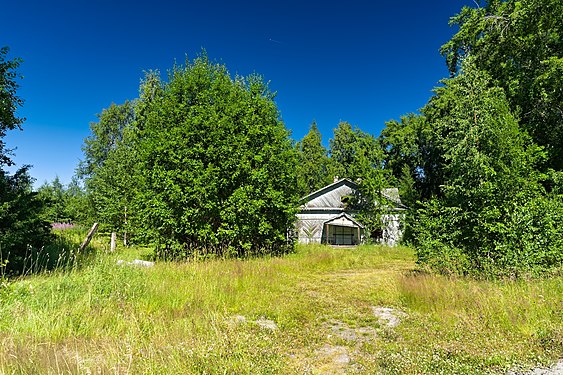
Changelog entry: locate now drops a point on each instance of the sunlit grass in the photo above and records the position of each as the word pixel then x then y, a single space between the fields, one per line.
pixel 186 317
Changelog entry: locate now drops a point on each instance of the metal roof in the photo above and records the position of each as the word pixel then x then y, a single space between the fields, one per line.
pixel 344 220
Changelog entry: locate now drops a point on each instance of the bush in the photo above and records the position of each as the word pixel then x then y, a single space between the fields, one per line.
pixel 216 170
pixel 22 228
pixel 524 240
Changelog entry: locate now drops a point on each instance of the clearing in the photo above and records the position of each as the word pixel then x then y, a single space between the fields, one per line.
pixel 321 310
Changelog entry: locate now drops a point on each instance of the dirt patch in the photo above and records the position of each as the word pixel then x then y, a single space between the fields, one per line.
pixel 331 359
pixel 556 369
pixel 388 316
pixel 345 332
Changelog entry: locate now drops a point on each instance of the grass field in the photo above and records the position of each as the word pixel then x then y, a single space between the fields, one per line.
pixel 315 311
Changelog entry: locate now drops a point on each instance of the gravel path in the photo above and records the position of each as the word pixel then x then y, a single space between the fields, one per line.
pixel 556 369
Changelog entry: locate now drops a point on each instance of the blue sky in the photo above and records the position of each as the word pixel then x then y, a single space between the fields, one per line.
pixel 365 62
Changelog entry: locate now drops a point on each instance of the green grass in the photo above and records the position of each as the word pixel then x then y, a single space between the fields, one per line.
pixel 180 317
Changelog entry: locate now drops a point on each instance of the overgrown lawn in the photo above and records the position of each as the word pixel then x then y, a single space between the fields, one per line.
pixel 212 317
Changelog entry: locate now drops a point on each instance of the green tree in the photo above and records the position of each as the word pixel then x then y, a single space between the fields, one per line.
pixel 23 229
pixel 354 153
pixel 314 164
pixel 107 135
pixel 519 43
pixel 490 174
pixel 53 194
pixel 412 158
pixel 21 225
pixel 64 204
pixel 359 156
pixel 217 170
pixel 109 167
pixel 76 202
pixel 9 101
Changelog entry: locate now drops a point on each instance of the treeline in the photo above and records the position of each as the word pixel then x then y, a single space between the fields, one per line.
pixel 484 159
pixel 201 163
pixel 481 164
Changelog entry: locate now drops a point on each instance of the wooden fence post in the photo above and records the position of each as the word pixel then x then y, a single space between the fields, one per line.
pixel 125 228
pixel 89 237
pixel 113 240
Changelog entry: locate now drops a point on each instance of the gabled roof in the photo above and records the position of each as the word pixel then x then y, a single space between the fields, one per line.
pixel 330 187
pixel 344 220
pixel 330 196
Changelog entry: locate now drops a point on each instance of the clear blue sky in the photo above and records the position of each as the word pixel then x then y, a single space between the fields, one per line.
pixel 364 62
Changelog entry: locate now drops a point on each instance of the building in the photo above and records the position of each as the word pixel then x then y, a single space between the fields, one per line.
pixel 325 218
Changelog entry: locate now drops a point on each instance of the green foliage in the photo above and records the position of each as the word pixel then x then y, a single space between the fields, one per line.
pixel 520 44
pixel 64 204
pixel 526 241
pixel 200 163
pixel 314 163
pixel 485 154
pixel 9 101
pixel 481 167
pixel 359 156
pixel 109 168
pixel 354 153
pixel 21 225
pixel 411 158
pixel 490 188
pixel 218 173
pixel 107 136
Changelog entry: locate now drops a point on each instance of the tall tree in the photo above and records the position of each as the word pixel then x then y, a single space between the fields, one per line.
pixel 314 164
pixel 519 43
pixel 411 157
pixel 490 174
pixel 53 194
pixel 109 167
pixel 359 156
pixel 21 223
pixel 107 135
pixel 217 171
pixel 354 153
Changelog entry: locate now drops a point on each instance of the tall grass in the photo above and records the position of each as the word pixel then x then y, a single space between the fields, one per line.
pixel 61 253
pixel 187 317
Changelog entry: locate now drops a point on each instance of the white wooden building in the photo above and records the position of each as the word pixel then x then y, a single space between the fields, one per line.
pixel 324 218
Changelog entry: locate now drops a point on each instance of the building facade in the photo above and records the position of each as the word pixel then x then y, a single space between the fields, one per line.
pixel 325 218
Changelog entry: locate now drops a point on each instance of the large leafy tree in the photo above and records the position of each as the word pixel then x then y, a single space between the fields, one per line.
pixel 217 171
pixel 109 167
pixel 314 164
pixel 21 225
pixel 519 43
pixel 359 156
pixel 411 157
pixel 354 153
pixel 489 187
